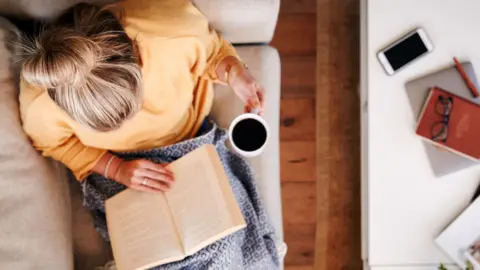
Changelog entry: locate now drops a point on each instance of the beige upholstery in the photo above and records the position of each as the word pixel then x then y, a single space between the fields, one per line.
pixel 264 63
pixel 34 204
pixel 242 21
pixel 40 9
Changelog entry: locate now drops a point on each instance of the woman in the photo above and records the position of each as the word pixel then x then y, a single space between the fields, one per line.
pixel 94 82
pixel 102 93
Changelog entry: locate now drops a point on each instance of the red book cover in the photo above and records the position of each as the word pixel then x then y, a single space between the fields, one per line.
pixel 451 122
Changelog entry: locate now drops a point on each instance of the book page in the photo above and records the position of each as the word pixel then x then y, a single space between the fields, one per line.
pixel 201 212
pixel 224 185
pixel 141 230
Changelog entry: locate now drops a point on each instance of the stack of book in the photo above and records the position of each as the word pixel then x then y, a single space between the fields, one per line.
pixel 448 122
pixel 452 123
pixel 453 147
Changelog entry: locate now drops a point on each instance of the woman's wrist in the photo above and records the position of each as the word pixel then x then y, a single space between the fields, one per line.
pixel 227 68
pixel 113 169
pixel 108 165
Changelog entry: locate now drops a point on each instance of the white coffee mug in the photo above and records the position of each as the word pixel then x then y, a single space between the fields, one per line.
pixel 245 116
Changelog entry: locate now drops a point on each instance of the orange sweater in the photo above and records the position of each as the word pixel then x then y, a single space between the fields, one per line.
pixel 180 54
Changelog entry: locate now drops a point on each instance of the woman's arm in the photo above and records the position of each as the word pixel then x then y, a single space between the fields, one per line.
pixel 55 139
pixel 228 68
pixel 113 163
pixel 140 174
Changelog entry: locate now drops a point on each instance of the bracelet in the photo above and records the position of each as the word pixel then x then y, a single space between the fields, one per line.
pixel 118 169
pixel 105 173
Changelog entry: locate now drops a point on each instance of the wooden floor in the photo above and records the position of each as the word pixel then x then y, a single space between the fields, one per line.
pixel 320 133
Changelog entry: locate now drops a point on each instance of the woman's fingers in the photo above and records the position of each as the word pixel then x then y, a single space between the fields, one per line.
pixel 156 167
pixel 156 176
pixel 145 183
pixel 155 184
pixel 260 98
pixel 260 92
pixel 255 101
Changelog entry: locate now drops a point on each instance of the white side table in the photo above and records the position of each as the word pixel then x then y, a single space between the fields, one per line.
pixel 404 206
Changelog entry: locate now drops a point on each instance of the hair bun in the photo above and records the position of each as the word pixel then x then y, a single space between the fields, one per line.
pixel 60 57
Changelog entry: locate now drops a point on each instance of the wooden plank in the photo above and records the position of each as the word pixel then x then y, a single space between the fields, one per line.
pixel 300 239
pixel 297 161
pixel 295 35
pixel 338 236
pixel 297 119
pixel 297 51
pixel 298 6
pixel 298 76
pixel 295 267
pixel 298 202
pixel 301 253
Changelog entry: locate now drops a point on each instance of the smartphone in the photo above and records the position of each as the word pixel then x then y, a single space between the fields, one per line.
pixel 403 51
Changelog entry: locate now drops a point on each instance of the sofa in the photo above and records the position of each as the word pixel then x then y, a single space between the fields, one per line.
pixel 43 224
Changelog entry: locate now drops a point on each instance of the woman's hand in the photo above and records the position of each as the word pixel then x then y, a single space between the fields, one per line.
pixel 144 175
pixel 244 85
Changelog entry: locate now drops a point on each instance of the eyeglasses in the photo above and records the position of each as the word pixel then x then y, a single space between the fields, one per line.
pixel 440 129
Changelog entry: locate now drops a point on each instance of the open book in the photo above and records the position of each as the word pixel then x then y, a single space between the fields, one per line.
pixel 147 229
pixel 461 239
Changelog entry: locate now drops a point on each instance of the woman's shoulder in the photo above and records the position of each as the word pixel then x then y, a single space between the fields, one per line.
pixel 29 92
pixel 36 106
pixel 42 120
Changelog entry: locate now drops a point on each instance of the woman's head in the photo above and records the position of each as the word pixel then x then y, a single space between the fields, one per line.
pixel 89 67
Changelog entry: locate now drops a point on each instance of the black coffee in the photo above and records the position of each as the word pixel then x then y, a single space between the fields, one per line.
pixel 249 135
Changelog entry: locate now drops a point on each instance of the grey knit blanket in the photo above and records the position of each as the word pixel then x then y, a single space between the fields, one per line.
pixel 250 248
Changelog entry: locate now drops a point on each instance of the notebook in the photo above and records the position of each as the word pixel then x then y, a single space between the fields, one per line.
pixel 461 132
pixel 442 162
pixel 461 239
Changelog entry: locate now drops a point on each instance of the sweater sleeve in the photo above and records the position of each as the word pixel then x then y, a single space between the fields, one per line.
pixel 54 138
pixel 219 50
pixel 71 152
pixel 65 148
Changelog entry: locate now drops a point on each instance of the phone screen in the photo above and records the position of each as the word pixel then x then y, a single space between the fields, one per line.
pixel 405 51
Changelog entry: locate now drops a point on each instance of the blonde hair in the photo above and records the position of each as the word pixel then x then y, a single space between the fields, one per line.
pixel 89 67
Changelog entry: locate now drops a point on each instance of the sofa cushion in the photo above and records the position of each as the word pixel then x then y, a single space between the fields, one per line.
pixel 40 9
pixel 264 63
pixel 35 225
pixel 242 21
